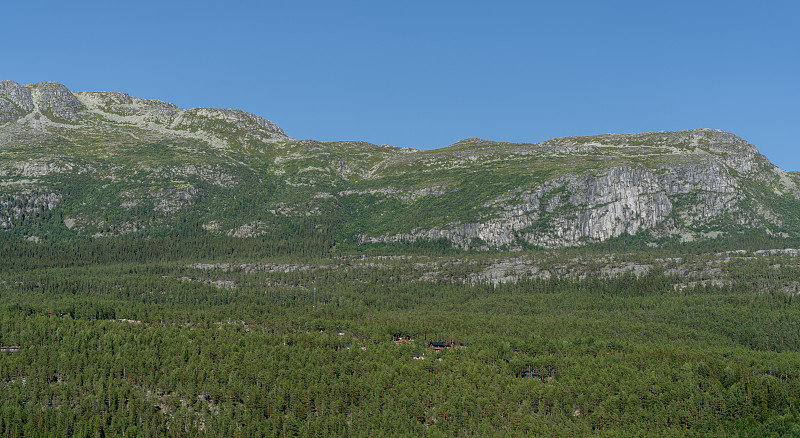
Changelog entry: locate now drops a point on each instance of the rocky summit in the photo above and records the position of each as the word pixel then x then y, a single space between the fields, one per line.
pixel 106 164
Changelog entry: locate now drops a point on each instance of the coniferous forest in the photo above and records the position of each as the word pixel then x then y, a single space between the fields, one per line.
pixel 224 337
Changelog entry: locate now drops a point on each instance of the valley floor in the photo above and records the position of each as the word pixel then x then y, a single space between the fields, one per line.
pixel 644 345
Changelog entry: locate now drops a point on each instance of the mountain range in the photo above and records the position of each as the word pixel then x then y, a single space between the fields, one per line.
pixel 82 165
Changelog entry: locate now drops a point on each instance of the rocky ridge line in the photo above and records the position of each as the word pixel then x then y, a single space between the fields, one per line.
pixel 53 103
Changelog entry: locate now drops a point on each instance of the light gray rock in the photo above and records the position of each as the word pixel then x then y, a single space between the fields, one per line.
pixel 207 117
pixel 56 100
pixel 15 100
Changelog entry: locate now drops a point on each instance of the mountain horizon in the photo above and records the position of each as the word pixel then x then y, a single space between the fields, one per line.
pixel 151 164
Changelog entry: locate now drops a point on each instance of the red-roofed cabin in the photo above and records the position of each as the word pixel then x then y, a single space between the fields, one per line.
pixel 10 348
pixel 439 346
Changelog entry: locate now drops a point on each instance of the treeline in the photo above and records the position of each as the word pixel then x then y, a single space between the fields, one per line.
pixel 312 238
pixel 303 241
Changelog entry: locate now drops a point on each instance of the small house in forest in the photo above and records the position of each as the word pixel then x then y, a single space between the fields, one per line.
pixel 436 346
pixel 10 348
pixel 418 357
pixel 532 375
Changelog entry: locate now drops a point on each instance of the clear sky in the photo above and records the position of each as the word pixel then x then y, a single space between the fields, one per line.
pixel 426 74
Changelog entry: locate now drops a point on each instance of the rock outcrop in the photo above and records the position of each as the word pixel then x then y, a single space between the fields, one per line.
pixel 15 101
pixel 57 102
pixel 54 103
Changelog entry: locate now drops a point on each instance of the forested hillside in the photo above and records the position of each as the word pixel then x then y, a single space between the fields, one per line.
pixel 116 343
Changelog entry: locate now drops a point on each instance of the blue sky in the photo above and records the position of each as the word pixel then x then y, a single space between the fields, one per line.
pixel 427 74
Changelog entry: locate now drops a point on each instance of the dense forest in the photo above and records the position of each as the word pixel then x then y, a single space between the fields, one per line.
pixel 292 336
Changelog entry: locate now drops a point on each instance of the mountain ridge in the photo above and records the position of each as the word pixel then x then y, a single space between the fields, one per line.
pixel 111 164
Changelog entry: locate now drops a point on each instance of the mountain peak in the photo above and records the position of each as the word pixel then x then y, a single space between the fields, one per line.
pixel 56 101
pixel 59 105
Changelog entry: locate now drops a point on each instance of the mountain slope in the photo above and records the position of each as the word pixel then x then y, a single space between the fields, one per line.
pixel 105 164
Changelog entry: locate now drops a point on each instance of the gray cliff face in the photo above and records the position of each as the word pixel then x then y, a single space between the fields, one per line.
pixel 564 212
pixel 624 200
pixel 15 100
pixel 55 99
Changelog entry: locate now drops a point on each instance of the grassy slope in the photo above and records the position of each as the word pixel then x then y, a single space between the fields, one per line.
pixel 120 178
